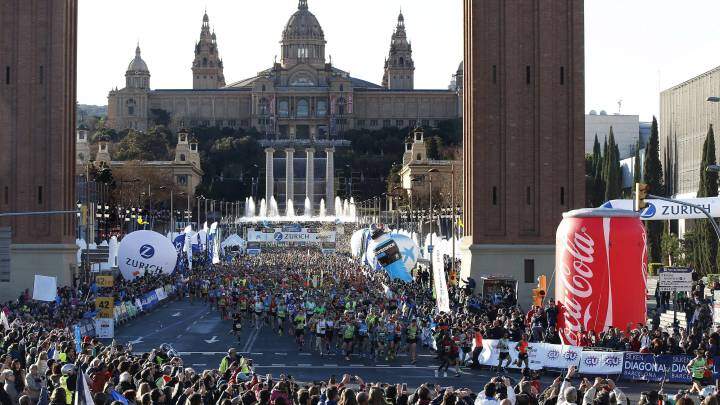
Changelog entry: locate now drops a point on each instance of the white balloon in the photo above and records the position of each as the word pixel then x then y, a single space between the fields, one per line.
pixel 145 250
pixel 409 251
pixel 356 242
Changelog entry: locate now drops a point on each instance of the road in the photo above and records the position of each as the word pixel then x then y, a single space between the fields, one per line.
pixel 202 339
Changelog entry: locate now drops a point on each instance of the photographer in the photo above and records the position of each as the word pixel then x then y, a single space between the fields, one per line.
pixel 494 390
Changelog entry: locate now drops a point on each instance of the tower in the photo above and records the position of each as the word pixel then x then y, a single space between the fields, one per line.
pixel 186 150
pixel 137 75
pixel 523 134
pixel 82 147
pixel 37 146
pixel 207 67
pixel 103 153
pixel 399 66
pixel 303 39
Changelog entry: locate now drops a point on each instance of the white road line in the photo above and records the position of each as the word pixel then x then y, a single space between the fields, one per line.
pixel 306 354
pixel 408 365
pixel 356 365
pixel 199 364
pixel 330 365
pixel 281 354
pixel 278 365
pixel 257 354
pixel 304 365
pixel 382 365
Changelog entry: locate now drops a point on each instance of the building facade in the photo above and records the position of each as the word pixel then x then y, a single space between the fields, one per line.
pixel 302 96
pixel 626 131
pixel 685 117
pixel 523 134
pixel 185 170
pixel 37 121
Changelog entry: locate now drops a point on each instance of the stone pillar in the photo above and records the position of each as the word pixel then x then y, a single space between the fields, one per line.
pixel 269 175
pixel 310 174
pixel 289 175
pixel 330 181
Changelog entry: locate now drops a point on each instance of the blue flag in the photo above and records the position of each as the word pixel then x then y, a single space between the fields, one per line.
pixel 179 242
pixel 83 396
pixel 78 339
pixel 116 396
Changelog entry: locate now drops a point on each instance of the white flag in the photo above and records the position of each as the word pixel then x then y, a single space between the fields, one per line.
pixel 4 320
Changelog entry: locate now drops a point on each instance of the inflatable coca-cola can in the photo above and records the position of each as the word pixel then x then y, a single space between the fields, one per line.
pixel 601 272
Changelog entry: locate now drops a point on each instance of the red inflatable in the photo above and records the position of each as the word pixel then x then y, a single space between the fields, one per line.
pixel 601 271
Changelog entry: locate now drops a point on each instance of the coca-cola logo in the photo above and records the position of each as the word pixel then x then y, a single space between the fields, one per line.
pixel 591 361
pixel 612 361
pixel 553 354
pixel 576 282
pixel 570 355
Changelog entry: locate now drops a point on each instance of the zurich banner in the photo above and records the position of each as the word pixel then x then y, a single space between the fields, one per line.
pixel 649 367
pixel 664 210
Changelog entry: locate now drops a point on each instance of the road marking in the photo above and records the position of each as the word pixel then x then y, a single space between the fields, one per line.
pixel 304 365
pixel 356 365
pixel 281 354
pixel 199 364
pixel 175 315
pixel 408 365
pixel 212 340
pixel 382 365
pixel 278 365
pixel 257 354
pixel 330 365
pixel 306 354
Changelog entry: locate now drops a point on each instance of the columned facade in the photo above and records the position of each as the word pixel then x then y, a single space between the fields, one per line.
pixel 289 174
pixel 310 175
pixel 269 175
pixel 330 181
pixel 523 134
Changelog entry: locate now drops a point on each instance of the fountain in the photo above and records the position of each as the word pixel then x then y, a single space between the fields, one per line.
pixel 323 212
pixel 308 208
pixel 273 209
pixel 338 207
pixel 346 208
pixel 290 209
pixel 249 207
pixel 263 209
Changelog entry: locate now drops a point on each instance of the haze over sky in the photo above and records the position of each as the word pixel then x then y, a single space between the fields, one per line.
pixel 633 47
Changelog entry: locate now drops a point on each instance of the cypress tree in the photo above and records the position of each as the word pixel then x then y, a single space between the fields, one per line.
pixel 706 242
pixel 636 168
pixel 597 154
pixel 612 170
pixel 653 177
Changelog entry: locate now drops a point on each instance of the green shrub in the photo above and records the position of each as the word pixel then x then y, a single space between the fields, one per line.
pixel 653 268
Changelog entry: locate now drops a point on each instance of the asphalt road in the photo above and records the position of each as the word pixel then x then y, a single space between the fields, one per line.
pixel 201 338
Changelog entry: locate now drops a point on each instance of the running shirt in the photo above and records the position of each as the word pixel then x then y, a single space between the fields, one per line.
pixel 320 327
pixel 299 322
pixel 349 332
pixel 502 346
pixel 412 332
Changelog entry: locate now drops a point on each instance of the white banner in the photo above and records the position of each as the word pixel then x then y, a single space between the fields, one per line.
pixel 160 292
pixel 44 288
pixel 442 297
pixel 663 210
pixel 142 251
pixel 558 356
pixel 490 355
pixel 278 235
pixel 104 328
pixel 598 363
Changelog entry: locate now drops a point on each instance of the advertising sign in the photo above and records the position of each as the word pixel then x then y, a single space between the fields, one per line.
pixel 104 281
pixel 104 328
pixel 664 210
pixel 648 367
pixel 597 363
pixel 142 251
pixel 675 279
pixel 289 234
pixel 105 307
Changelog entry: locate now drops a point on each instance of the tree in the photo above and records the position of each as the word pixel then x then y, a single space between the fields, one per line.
pixel 612 173
pixel 637 169
pixel 673 251
pixel 149 146
pixel 653 177
pixel 706 243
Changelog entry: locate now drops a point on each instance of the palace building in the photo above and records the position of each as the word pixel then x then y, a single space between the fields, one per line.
pixel 302 96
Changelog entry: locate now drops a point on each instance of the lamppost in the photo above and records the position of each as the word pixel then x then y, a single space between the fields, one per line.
pixel 172 212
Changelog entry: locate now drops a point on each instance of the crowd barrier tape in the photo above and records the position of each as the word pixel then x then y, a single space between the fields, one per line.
pixel 630 365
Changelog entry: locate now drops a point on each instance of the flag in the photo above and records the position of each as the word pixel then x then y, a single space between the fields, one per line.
pixel 179 242
pixel 4 320
pixel 116 396
pixel 78 339
pixel 83 396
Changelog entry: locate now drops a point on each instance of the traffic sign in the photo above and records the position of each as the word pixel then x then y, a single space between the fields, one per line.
pixel 677 279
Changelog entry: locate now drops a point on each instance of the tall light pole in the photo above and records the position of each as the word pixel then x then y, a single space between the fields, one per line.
pixel 452 206
pixel 430 173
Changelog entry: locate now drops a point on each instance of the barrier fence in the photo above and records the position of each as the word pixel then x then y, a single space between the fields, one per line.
pixel 629 365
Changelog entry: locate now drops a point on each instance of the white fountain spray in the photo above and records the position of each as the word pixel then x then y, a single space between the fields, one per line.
pixel 250 208
pixel 346 208
pixel 308 208
pixel 290 209
pixel 273 209
pixel 323 212
pixel 263 209
pixel 338 207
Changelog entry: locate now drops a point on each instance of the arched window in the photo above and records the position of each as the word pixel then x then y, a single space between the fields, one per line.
pixel 204 61
pixel 303 108
pixel 263 107
pixel 419 156
pixel 130 107
pixel 321 108
pixel 263 87
pixel 341 106
pixel 283 108
pixel 402 61
pixel 342 87
pixel 182 157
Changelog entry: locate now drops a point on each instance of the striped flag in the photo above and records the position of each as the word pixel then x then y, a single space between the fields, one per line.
pixel 83 396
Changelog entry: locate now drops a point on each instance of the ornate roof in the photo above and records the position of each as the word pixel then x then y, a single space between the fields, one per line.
pixel 303 25
pixel 137 64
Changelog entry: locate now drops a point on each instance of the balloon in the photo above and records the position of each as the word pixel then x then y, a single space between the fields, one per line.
pixel 395 253
pixel 356 242
pixel 409 251
pixel 145 250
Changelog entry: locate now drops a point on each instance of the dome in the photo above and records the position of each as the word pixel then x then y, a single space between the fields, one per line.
pixel 137 64
pixel 303 25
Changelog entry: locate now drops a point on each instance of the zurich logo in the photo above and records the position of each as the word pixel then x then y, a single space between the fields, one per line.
pixel 278 236
pixel 147 251
pixel 649 211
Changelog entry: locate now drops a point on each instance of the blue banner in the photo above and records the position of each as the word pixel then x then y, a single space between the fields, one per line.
pixel 78 339
pixel 649 367
pixel 149 301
